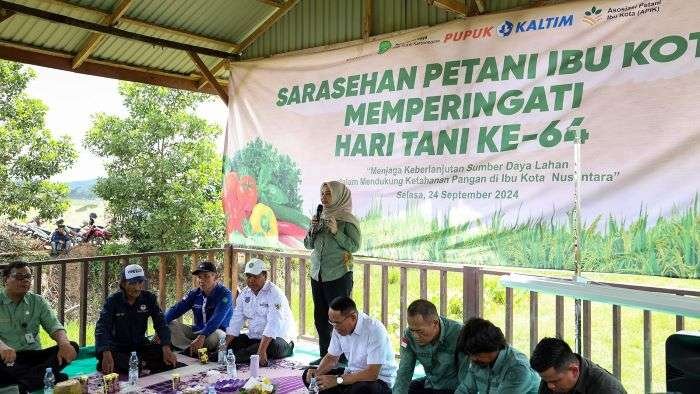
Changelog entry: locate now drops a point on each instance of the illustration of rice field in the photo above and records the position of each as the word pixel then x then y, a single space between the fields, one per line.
pixel 666 246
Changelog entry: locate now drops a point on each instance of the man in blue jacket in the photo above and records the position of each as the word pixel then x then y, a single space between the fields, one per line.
pixel 121 328
pixel 211 304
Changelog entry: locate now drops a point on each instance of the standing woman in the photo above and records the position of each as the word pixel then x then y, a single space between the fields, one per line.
pixel 333 237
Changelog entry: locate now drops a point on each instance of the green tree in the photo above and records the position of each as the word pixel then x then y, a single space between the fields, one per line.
pixel 29 154
pixel 163 182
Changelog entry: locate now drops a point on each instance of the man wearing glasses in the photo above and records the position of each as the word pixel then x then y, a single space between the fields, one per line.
pixel 121 328
pixel 430 339
pixel 24 362
pixel 265 308
pixel 365 342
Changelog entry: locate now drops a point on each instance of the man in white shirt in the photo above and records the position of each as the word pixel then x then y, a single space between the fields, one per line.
pixel 365 342
pixel 271 327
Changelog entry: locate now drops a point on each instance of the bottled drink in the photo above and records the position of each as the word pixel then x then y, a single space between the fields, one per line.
pixel 254 365
pixel 222 351
pixel 49 381
pixel 231 364
pixel 313 386
pixel 133 369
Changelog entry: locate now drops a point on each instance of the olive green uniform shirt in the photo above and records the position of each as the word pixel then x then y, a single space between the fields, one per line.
pixel 19 323
pixel 438 359
pixel 332 255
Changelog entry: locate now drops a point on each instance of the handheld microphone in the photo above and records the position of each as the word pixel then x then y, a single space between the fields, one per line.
pixel 319 209
pixel 318 225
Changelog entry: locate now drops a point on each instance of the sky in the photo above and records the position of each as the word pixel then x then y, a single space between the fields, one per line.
pixel 73 98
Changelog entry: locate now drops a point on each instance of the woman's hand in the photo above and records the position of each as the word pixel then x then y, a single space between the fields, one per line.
pixel 332 225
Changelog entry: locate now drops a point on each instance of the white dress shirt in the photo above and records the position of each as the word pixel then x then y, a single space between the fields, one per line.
pixel 267 313
pixel 368 344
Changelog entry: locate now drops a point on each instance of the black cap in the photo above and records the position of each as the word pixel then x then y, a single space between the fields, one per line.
pixel 204 266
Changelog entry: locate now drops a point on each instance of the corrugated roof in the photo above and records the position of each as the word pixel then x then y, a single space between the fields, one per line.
pixel 221 25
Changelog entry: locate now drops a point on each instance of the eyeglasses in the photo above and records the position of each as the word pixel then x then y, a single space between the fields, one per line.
pixel 22 276
pixel 337 323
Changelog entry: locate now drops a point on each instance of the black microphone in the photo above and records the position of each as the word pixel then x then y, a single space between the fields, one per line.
pixel 318 225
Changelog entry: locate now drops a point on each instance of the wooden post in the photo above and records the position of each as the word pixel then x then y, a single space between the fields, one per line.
pixel 680 323
pixel 403 302
pixel 82 330
pixel 617 341
pixel 424 283
pixel 534 337
pixel 62 293
pixel 144 264
pixel 193 266
pixel 37 278
pixel 273 270
pixel 443 292
pixel 302 297
pixel 472 290
pixel 559 316
pixel 228 256
pixel 586 329
pixel 179 262
pixel 288 278
pixel 162 267
pixel 105 280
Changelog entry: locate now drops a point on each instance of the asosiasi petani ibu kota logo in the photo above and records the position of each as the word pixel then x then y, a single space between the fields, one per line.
pixel 508 28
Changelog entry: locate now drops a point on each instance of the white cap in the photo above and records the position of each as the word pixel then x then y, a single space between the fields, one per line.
pixel 255 267
pixel 133 271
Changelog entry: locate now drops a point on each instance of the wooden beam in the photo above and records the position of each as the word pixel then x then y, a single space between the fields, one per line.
pixel 5 14
pixel 96 27
pixel 62 61
pixel 366 19
pixel 214 70
pixel 67 6
pixel 456 6
pixel 95 39
pixel 209 76
pixel 265 26
pixel 481 5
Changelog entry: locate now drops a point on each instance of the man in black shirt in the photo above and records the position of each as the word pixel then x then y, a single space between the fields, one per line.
pixel 121 328
pixel 563 371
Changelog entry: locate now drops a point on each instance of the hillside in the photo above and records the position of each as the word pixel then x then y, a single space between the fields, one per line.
pixel 82 190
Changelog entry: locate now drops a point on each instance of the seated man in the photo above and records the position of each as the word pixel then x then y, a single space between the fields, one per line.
pixel 430 339
pixel 264 306
pixel 121 328
pixel 365 343
pixel 211 305
pixel 24 362
pixel 492 365
pixel 563 371
pixel 60 240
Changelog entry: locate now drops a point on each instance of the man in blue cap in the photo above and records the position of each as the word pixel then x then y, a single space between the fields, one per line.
pixel 121 328
pixel 211 304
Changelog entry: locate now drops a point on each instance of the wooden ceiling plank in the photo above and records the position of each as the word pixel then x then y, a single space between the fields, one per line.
pixel 209 76
pixel 96 27
pixel 63 61
pixel 96 39
pixel 66 6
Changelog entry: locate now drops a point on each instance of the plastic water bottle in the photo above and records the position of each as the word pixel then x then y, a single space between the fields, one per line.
pixel 49 381
pixel 231 364
pixel 211 390
pixel 133 369
pixel 222 351
pixel 313 386
pixel 254 365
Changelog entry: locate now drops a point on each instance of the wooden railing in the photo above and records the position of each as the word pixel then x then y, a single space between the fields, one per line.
pixel 293 267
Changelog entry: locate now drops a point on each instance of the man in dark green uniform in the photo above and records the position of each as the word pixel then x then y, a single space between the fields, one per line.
pixel 429 339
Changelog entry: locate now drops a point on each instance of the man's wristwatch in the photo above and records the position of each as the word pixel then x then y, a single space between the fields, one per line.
pixel 339 380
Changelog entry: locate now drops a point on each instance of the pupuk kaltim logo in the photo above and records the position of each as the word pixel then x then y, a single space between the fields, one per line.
pixel 593 16
pixel 508 28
